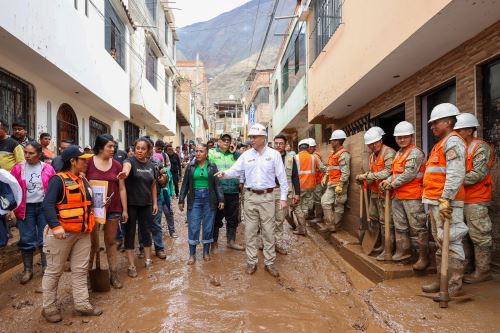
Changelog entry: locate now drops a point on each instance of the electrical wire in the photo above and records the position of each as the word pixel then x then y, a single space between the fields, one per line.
pixel 253 33
pixel 271 19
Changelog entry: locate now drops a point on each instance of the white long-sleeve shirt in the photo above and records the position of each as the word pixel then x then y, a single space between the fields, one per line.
pixel 260 170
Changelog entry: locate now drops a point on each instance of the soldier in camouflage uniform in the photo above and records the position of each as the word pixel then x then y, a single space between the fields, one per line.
pixel 293 197
pixel 407 207
pixel 337 182
pixel 380 169
pixel 478 193
pixel 444 194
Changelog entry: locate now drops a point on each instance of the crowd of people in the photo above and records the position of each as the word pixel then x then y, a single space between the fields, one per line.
pixel 51 198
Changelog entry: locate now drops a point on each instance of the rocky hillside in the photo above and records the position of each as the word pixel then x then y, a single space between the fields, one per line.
pixel 225 43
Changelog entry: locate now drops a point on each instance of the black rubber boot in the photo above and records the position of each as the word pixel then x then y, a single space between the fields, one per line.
pixel 28 267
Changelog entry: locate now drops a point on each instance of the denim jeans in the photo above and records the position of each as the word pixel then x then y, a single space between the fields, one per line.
pixel 169 216
pixel 31 228
pixel 200 215
pixel 156 230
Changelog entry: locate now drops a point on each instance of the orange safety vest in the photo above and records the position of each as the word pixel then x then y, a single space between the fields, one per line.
pixel 481 191
pixel 319 174
pixel 306 165
pixel 74 210
pixel 377 166
pixel 435 172
pixel 334 173
pixel 413 189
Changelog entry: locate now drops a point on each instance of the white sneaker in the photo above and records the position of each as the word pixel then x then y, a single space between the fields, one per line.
pixel 148 263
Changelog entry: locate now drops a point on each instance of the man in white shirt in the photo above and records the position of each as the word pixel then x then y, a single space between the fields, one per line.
pixel 260 166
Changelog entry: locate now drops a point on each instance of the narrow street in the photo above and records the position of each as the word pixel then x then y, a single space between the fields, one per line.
pixel 312 295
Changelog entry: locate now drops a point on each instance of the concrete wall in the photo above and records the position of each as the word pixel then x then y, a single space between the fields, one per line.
pixel 369 33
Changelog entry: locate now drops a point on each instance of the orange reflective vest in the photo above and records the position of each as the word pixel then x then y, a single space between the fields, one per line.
pixel 377 165
pixel 435 172
pixel 74 210
pixel 334 173
pixel 413 189
pixel 306 165
pixel 481 191
pixel 319 174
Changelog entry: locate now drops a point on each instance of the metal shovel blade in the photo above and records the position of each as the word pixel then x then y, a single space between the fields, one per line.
pixel 99 280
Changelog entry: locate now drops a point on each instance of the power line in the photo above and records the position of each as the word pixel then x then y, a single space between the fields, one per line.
pixel 253 32
pixel 267 32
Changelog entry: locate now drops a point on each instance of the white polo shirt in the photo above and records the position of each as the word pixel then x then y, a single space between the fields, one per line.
pixel 260 170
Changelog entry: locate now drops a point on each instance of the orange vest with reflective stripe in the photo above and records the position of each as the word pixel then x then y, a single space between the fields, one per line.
pixel 319 174
pixel 413 189
pixel 435 172
pixel 334 173
pixel 74 211
pixel 377 166
pixel 481 191
pixel 306 165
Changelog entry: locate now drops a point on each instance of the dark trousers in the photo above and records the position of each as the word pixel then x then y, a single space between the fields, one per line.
pixel 143 216
pixel 175 179
pixel 230 213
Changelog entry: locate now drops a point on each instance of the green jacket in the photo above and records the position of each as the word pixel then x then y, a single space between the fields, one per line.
pixel 224 161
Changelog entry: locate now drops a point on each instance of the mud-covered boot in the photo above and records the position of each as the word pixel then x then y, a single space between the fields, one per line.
pixel 433 287
pixel 235 246
pixel 43 260
pixel 114 280
pixel 301 227
pixel 28 267
pixel 335 226
pixel 381 256
pixel 402 246
pixel 423 252
pixel 455 275
pixel 483 262
pixel 318 214
pixel 52 314
pixel 328 220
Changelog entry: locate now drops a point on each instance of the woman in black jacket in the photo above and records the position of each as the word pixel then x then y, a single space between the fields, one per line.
pixel 204 195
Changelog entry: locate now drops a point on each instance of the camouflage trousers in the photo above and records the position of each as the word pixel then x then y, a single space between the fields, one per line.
pixel 330 198
pixel 479 223
pixel 409 215
pixel 318 193
pixel 377 210
pixel 306 203
pixel 458 229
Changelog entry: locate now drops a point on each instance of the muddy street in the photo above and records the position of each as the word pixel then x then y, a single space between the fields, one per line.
pixel 312 295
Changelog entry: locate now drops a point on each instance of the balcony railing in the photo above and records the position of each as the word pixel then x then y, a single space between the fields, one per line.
pixel 328 17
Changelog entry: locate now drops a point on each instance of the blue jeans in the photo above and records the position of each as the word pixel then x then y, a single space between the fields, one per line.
pixel 156 230
pixel 200 215
pixel 31 228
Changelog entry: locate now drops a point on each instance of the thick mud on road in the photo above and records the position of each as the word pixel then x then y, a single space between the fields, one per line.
pixel 312 295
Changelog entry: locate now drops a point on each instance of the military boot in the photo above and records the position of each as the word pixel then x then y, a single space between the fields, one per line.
pixel 381 256
pixel 423 252
pixel 483 261
pixel 301 227
pixel 328 218
pixel 402 246
pixel 52 314
pixel 433 287
pixel 28 267
pixel 455 275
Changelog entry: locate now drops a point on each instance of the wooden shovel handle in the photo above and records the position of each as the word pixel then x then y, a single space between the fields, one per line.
pixel 361 204
pixel 387 229
pixel 444 296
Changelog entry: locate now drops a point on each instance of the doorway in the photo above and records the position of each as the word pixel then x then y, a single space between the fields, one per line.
pixel 443 94
pixel 67 124
pixel 387 122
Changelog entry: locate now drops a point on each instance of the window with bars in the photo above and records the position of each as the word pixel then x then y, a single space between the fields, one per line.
pixel 359 125
pixel 151 65
pixel 96 128
pixel 151 6
pixel 67 124
pixel 114 34
pixel 262 96
pixel 131 133
pixel 17 101
pixel 328 16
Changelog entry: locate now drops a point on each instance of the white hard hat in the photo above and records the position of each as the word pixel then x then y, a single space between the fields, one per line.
pixel 404 128
pixel 257 129
pixel 466 120
pixel 443 110
pixel 373 135
pixel 338 134
pixel 304 142
pixel 379 129
pixel 312 142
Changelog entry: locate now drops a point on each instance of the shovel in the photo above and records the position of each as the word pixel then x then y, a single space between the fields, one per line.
pixel 372 232
pixel 99 278
pixel 290 220
pixel 362 225
pixel 387 227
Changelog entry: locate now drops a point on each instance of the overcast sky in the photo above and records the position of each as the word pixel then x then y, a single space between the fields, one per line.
pixel 201 10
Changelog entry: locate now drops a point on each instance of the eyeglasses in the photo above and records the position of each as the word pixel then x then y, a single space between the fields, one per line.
pixel 279 143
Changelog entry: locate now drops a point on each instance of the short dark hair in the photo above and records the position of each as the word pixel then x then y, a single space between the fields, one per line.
pixel 211 141
pixel 281 136
pixel 19 124
pixel 70 141
pixel 129 149
pixel 159 144
pixel 101 141
pixel 44 135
